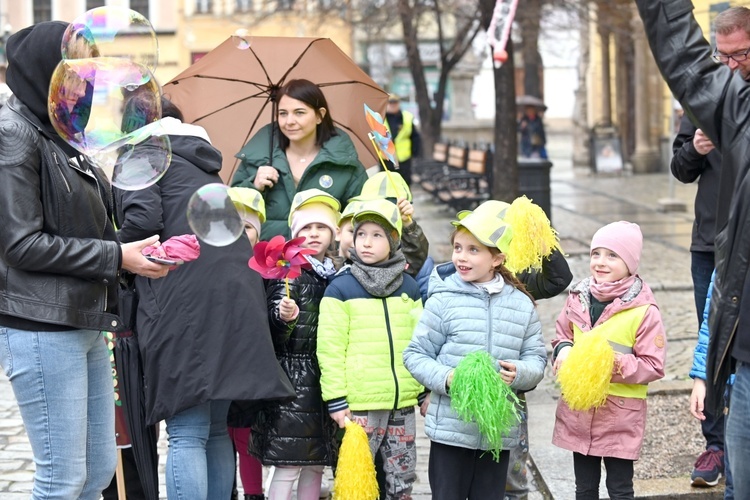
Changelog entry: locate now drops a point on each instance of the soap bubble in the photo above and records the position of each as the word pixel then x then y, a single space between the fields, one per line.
pixel 95 102
pixel 213 217
pixel 112 32
pixel 242 40
pixel 137 160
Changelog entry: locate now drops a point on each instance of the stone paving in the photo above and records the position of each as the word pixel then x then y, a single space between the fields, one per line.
pixel 581 204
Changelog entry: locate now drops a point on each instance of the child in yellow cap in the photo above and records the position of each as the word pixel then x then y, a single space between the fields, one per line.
pixel 476 304
pixel 252 209
pixel 414 244
pixel 366 319
pixel 298 437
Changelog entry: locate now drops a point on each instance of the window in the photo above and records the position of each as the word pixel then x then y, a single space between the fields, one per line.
pixel 140 6
pixel 42 10
pixel 204 6
pixel 244 5
pixel 92 4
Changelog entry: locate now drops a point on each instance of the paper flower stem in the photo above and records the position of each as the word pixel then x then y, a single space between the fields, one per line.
pixel 286 285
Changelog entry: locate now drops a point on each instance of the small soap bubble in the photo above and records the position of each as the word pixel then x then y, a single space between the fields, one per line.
pixel 213 217
pixel 242 39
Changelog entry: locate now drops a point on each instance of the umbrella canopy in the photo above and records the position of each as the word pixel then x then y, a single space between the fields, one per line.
pixel 228 91
pixel 530 100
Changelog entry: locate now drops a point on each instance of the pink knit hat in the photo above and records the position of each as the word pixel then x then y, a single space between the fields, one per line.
pixel 623 238
pixel 310 213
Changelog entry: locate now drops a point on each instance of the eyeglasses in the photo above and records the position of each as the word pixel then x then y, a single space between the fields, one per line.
pixel 724 58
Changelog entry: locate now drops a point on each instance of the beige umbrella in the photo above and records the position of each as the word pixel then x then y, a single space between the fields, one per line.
pixel 229 91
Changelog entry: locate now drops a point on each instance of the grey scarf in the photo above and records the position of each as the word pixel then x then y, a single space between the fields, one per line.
pixel 380 280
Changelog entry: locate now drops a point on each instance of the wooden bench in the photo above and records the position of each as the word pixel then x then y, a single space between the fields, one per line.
pixel 423 168
pixel 455 163
pixel 466 189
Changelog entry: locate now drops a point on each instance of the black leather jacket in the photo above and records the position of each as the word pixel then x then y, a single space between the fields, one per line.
pixel 59 255
pixel 719 103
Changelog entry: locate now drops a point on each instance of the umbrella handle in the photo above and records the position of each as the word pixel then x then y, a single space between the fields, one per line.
pixel 120 475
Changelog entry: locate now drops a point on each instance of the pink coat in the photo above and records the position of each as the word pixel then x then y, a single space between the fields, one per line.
pixel 615 429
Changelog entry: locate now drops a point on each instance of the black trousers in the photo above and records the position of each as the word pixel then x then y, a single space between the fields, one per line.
pixel 588 471
pixel 460 473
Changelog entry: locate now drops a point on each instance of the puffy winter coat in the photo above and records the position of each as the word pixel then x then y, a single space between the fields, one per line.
pixel 460 318
pixel 335 170
pixel 360 342
pixel 299 432
pixel 615 429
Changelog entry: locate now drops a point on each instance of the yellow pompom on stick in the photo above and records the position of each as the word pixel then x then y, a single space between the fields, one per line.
pixel 355 471
pixel 533 236
pixel 586 373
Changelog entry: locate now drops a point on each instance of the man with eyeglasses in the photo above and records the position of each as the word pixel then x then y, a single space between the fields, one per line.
pixel 717 98
pixel 695 158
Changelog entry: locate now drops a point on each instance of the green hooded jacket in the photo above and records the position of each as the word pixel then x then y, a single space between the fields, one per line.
pixel 336 170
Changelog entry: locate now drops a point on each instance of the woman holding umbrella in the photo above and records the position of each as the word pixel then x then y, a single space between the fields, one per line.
pixel 309 152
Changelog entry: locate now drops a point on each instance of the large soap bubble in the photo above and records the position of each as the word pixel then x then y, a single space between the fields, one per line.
pixel 112 32
pixel 213 217
pixel 136 161
pixel 97 101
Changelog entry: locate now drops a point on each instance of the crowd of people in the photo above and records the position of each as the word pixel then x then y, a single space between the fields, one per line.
pixel 249 372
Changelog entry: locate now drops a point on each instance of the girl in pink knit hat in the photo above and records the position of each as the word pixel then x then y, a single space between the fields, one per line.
pixel 610 344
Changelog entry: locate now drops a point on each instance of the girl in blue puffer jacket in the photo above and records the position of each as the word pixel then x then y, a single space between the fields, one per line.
pixel 475 303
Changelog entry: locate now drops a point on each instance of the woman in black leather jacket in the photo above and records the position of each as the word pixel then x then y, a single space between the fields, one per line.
pixel 59 265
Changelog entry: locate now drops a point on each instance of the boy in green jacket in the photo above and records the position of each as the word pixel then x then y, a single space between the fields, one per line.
pixel 366 320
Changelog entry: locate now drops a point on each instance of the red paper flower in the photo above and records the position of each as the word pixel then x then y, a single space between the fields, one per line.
pixel 278 259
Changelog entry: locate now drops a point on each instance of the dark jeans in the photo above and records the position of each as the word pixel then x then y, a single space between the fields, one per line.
pixel 588 471
pixel 701 267
pixel 460 473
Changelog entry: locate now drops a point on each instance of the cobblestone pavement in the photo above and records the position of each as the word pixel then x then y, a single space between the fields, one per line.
pixel 581 204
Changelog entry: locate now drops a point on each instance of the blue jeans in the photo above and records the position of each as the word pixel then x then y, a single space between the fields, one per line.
pixel 200 463
pixel 63 384
pixel 738 432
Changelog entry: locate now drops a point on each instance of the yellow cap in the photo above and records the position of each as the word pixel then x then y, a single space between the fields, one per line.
pixel 386 185
pixel 487 224
pixel 351 208
pixel 383 208
pixel 313 196
pixel 393 98
pixel 250 198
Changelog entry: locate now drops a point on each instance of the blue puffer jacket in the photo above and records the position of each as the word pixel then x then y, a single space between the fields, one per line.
pixel 458 319
pixel 701 348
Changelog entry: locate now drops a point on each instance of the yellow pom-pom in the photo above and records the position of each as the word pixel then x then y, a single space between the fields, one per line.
pixel 533 236
pixel 585 375
pixel 355 472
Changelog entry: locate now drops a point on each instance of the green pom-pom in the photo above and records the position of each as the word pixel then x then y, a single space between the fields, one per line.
pixel 479 395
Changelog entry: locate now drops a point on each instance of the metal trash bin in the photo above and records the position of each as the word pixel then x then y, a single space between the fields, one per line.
pixel 534 182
